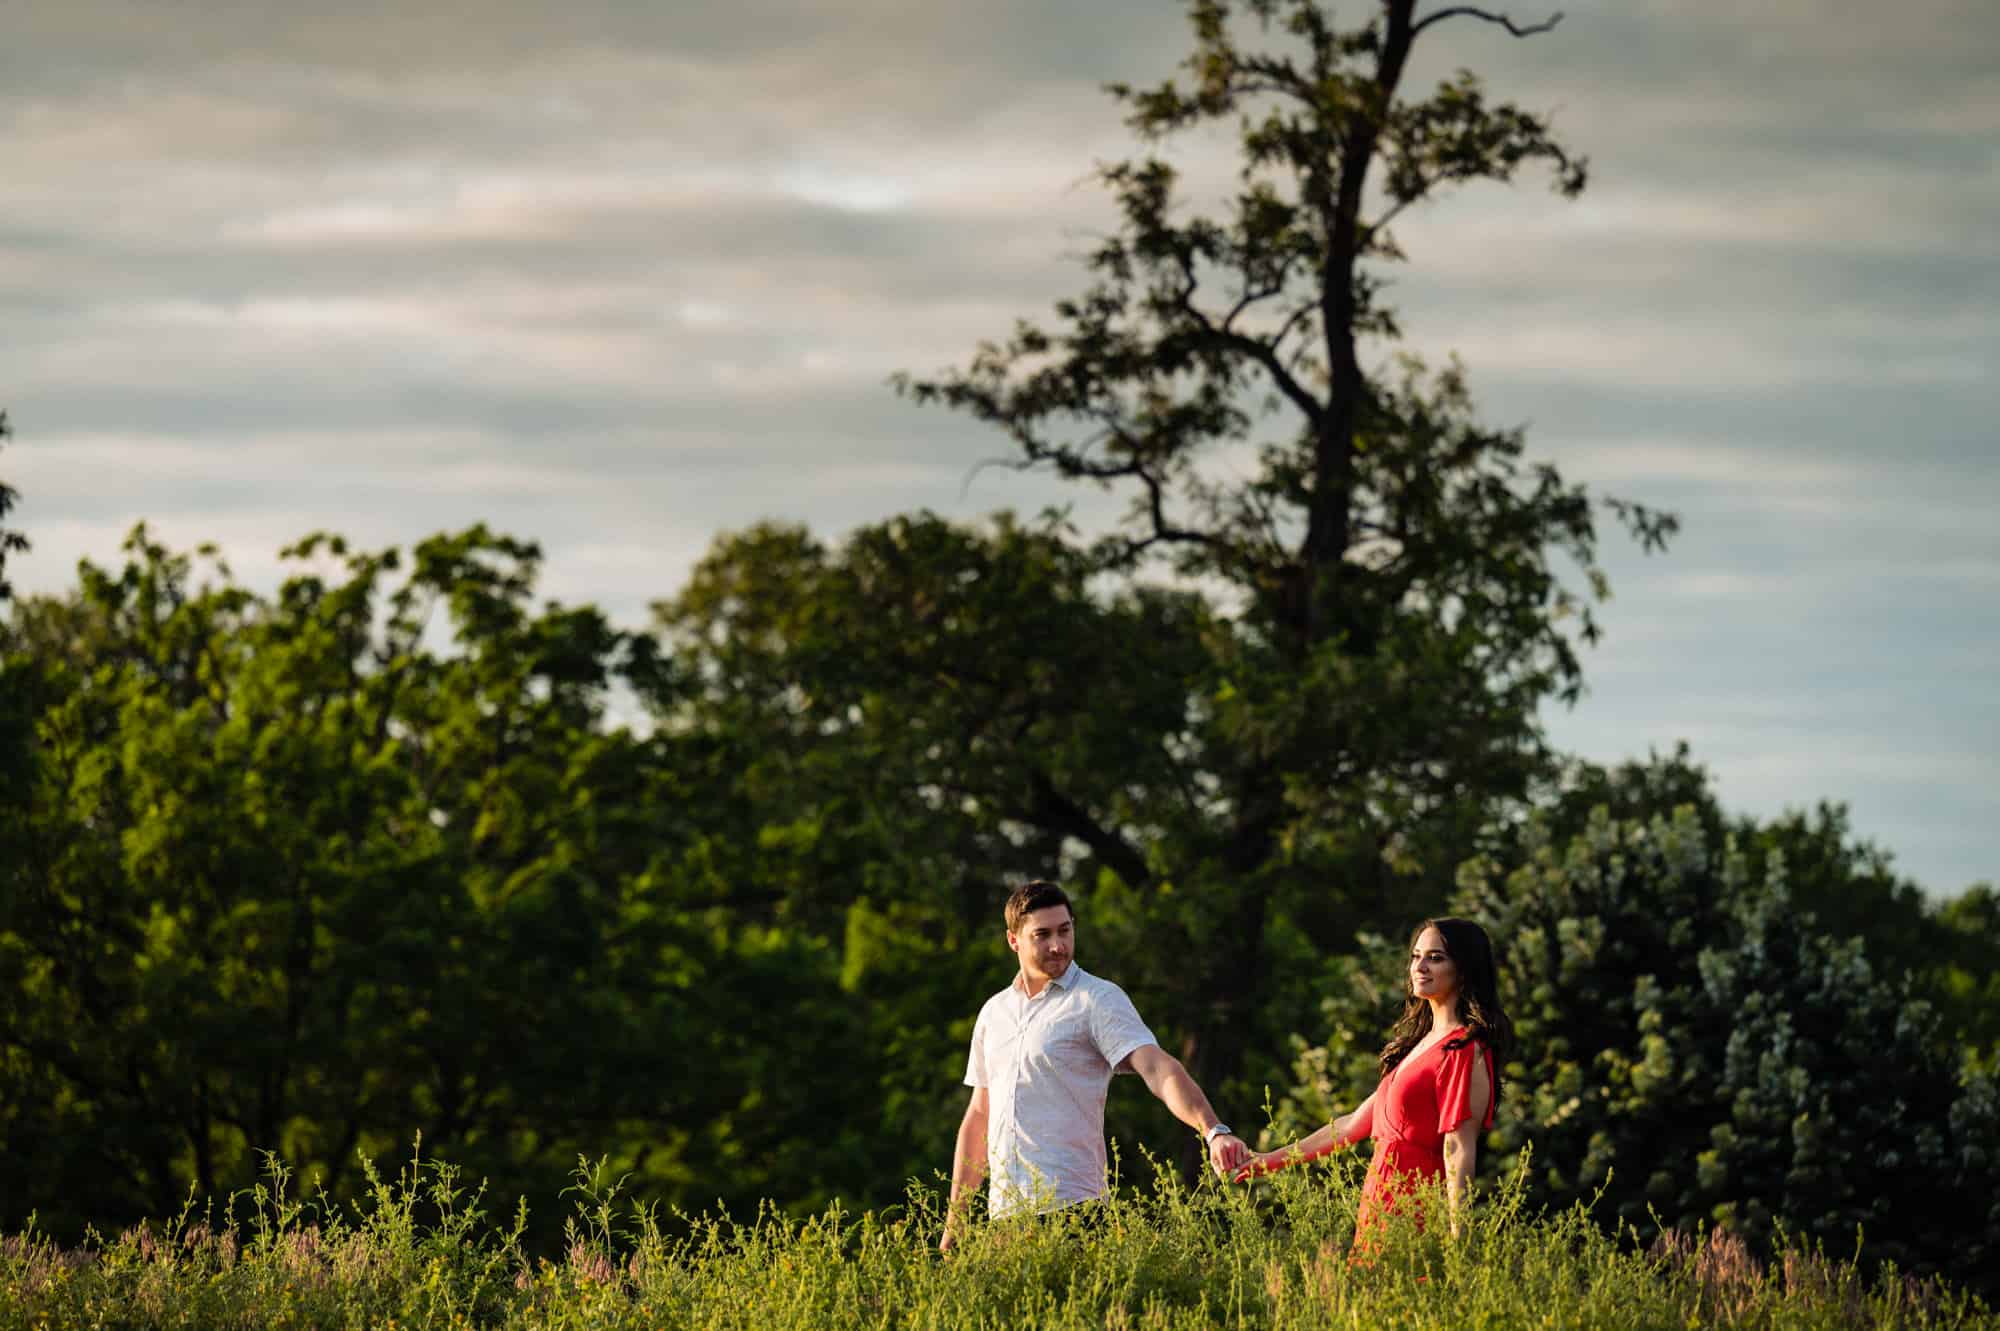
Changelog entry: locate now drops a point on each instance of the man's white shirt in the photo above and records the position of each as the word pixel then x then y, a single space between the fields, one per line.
pixel 1046 1063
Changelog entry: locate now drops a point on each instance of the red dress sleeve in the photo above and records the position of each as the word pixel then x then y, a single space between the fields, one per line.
pixel 1454 1085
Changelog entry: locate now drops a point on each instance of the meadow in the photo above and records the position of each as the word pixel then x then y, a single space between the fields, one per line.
pixel 421 1251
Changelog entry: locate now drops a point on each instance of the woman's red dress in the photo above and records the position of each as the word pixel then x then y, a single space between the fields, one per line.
pixel 1416 1106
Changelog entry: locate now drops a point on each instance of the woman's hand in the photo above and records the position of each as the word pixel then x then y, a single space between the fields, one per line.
pixel 1257 1164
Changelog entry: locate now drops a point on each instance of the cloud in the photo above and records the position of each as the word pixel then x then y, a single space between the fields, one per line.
pixel 617 275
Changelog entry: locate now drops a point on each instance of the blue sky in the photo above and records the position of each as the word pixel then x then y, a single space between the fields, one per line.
pixel 619 276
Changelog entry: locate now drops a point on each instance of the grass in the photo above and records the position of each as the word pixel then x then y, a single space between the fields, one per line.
pixel 419 1252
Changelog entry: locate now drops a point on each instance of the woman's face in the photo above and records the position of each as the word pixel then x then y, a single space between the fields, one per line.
pixel 1433 974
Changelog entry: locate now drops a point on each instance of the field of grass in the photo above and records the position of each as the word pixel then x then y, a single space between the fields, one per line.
pixel 419 1253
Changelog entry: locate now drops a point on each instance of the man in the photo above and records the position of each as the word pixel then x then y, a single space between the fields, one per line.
pixel 1043 1053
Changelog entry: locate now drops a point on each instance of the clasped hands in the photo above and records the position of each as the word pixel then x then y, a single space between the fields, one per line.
pixel 1344 1130
pixel 1227 1154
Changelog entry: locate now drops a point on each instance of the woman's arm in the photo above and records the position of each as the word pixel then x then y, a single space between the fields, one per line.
pixel 1345 1130
pixel 1461 1144
pixel 1357 1125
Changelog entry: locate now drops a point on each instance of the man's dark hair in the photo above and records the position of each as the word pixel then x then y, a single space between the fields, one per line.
pixel 1029 897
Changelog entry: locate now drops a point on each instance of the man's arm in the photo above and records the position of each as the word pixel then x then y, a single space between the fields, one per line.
pixel 1165 1077
pixel 968 1165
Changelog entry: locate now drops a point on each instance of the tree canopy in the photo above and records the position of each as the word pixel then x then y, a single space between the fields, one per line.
pixel 313 872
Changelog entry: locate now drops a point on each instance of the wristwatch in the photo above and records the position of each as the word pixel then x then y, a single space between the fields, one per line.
pixel 1219 1130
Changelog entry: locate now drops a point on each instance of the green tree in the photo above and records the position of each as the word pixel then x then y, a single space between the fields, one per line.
pixel 1844 1110
pixel 1848 885
pixel 313 872
pixel 910 720
pixel 1389 607
pixel 1962 980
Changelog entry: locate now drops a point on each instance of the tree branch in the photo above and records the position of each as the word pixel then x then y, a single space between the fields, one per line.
pixel 1056 812
pixel 1252 295
pixel 1266 356
pixel 1164 529
pixel 1370 229
pixel 972 472
pixel 1503 20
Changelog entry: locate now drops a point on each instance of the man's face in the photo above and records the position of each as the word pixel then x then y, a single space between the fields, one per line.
pixel 1045 942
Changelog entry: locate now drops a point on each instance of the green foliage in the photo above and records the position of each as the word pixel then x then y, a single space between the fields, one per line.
pixel 305 873
pixel 1965 984
pixel 417 1252
pixel 1849 887
pixel 903 725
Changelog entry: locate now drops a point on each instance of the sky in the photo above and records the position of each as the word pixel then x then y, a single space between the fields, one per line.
pixel 619 275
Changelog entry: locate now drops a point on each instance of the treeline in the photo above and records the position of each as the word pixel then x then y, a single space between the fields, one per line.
pixel 398 847
pixel 397 850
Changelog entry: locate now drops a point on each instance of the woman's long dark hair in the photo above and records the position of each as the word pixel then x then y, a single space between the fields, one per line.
pixel 1479 1009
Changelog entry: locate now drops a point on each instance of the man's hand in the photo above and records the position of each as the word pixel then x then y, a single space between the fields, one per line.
pixel 968 1168
pixel 1227 1153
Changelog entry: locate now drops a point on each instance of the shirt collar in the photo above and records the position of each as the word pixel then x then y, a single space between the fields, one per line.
pixel 1063 982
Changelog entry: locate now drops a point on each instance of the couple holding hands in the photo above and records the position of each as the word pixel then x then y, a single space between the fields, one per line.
pixel 1044 1050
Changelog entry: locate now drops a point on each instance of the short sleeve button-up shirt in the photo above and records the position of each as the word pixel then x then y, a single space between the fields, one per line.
pixel 1046 1063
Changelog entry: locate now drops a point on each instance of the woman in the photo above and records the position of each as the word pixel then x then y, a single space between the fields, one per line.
pixel 1440 1076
